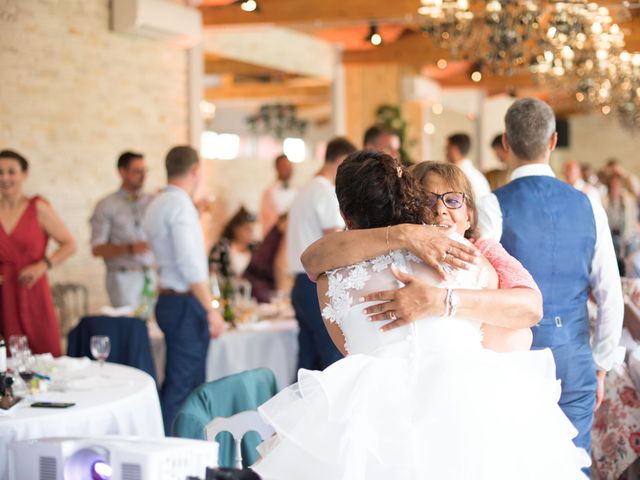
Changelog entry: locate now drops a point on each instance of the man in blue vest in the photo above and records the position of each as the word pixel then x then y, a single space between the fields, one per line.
pixel 563 239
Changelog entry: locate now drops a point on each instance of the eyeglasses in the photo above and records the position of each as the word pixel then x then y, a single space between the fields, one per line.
pixel 452 200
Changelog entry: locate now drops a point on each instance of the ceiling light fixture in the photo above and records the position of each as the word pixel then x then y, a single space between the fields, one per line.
pixel 374 37
pixel 249 5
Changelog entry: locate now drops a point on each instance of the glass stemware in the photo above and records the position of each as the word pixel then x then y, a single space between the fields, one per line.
pixel 26 364
pixel 100 348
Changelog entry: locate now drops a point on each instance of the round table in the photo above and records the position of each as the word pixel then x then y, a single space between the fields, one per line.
pixel 270 344
pixel 112 400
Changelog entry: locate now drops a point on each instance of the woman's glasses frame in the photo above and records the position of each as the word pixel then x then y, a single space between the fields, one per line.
pixel 449 199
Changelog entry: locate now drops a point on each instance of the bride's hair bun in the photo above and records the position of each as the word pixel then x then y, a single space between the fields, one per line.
pixel 375 190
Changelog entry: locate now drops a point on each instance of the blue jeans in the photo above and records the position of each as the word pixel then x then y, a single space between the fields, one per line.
pixel 186 331
pixel 316 349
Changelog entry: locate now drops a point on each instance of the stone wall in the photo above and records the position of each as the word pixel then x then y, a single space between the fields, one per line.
pixel 73 96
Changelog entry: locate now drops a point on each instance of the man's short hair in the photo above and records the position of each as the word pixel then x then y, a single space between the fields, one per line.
pixel 338 147
pixel 125 159
pixel 180 160
pixel 278 158
pixel 461 141
pixel 375 132
pixel 497 142
pixel 530 124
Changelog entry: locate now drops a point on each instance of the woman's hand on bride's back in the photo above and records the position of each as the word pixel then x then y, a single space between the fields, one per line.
pixel 433 246
pixel 404 305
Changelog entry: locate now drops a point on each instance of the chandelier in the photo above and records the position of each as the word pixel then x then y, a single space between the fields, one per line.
pixel 278 120
pixel 572 46
pixel 627 90
pixel 509 36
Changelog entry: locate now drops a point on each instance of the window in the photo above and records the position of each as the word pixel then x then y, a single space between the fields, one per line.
pixel 294 149
pixel 223 146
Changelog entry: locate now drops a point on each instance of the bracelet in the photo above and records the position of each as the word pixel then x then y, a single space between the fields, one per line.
pixel 47 263
pixel 387 238
pixel 130 246
pixel 454 302
pixel 447 303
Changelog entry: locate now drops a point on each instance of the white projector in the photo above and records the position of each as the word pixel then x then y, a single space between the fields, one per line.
pixel 111 458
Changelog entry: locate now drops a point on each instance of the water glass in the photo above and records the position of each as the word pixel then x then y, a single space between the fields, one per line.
pixel 100 348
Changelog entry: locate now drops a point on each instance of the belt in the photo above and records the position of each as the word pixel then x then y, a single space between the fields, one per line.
pixel 173 293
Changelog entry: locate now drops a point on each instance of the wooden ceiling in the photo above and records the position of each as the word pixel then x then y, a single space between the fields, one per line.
pixel 347 22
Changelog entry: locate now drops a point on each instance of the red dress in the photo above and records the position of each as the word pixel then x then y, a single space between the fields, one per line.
pixel 27 311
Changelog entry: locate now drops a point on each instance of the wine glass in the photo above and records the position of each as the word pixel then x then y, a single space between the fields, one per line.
pixel 25 369
pixel 100 348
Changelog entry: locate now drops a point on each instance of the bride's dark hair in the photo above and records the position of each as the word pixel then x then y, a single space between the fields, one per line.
pixel 374 190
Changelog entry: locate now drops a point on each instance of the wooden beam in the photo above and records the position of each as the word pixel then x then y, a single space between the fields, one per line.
pixel 412 48
pixel 214 65
pixel 286 12
pixel 631 31
pixel 294 91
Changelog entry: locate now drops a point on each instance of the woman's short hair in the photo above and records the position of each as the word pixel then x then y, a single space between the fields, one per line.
pixel 457 181
pixel 241 217
pixel 24 165
pixel 375 190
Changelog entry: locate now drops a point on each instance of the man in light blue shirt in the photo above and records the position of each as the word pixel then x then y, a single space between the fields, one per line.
pixel 183 311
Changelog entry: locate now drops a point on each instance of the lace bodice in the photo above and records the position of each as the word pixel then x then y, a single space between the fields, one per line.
pixel 347 285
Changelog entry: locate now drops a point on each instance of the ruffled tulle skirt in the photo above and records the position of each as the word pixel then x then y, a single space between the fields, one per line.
pixel 405 415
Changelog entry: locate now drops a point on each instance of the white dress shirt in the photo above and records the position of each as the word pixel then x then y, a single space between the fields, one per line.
pixel 276 200
pixel 173 229
pixel 604 278
pixel 314 211
pixel 479 182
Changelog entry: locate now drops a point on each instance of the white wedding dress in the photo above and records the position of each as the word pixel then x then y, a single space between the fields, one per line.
pixel 423 401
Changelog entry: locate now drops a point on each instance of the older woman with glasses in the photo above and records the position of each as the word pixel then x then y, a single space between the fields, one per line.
pixel 507 311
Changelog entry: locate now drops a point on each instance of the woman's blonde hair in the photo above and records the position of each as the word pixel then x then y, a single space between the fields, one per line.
pixel 457 181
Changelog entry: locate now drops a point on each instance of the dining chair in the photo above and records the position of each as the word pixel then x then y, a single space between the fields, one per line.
pixel 129 339
pixel 227 397
pixel 238 425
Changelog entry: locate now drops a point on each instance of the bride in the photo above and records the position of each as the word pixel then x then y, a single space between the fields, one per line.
pixel 423 400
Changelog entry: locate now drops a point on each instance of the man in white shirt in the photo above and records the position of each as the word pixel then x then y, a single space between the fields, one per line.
pixel 315 212
pixel 183 312
pixel 457 151
pixel 562 237
pixel 277 198
pixel 573 176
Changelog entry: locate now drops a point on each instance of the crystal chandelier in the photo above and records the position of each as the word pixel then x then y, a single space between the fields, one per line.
pixel 507 36
pixel 627 90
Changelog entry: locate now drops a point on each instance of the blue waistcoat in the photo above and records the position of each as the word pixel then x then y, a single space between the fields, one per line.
pixel 549 226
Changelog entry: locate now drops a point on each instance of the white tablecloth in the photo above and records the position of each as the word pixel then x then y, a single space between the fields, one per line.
pixel 118 400
pixel 269 343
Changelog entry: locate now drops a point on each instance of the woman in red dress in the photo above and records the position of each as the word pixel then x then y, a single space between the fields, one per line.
pixel 26 305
